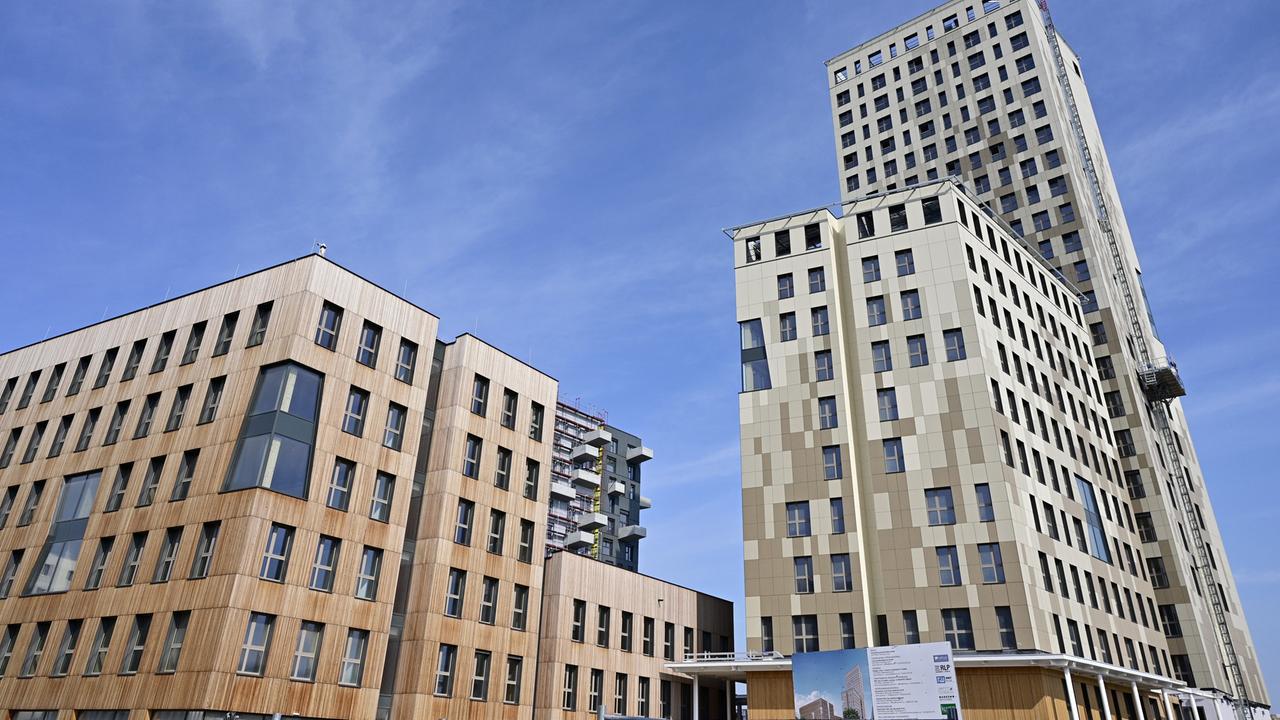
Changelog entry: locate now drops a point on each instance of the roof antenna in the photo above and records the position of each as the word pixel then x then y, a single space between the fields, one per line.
pixel 321 248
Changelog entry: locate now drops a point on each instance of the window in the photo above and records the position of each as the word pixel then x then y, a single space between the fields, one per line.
pixel 147 415
pixel 10 572
pixel 992 565
pixel 1097 536
pixel 812 237
pixel 367 575
pixel 10 446
pixel 462 526
pixel 753 249
pixel 948 566
pixel 212 399
pixel 446 660
pixel 356 409
pixel 406 361
pixel 384 485
pixel 275 557
pixel 480 395
pixel 520 608
pixel 803 574
pixel 870 265
pixel 194 340
pixel 471 458
pixel 1169 621
pixel 60 436
pixel 340 482
pixel 203 558
pixel 129 570
pixel 1004 623
pixel 932 210
pixel 164 349
pixel 33 443
pixel 881 357
pixel 325 564
pixel 906 262
pixel 817 280
pixel 911 305
pixel 393 436
pixel 488 600
pixel 827 417
pixel 940 506
pixel 261 319
pixel 569 696
pixel 787 327
pixel 954 342
pixel 524 551
pixel 35 650
pixel 136 644
pixel 805 632
pixel 329 326
pixel 535 421
pixel 306 654
pixel 66 649
pixel 532 470
pixel 646 637
pixel 497 531
pixel 894 461
pixel 480 677
pixel 823 369
pixel 887 403
pixel 274 450
pixel 957 628
pixel 104 369
pixel 97 652
pixel 370 341
pixel 178 410
pixel 168 554
pixel 986 511
pixel 841 573
pixel 782 243
pixel 228 329
pixel 257 642
pixel 515 666
pixel 917 351
pixel 832 464
pixel 798 519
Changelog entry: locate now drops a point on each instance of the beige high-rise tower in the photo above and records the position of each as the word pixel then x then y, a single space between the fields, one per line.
pixel 954 399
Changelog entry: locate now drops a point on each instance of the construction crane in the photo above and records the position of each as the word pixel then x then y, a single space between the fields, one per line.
pixel 1158 378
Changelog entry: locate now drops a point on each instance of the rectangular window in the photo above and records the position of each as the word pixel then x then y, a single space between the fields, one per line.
pixel 954 342
pixel 894 460
pixel 66 649
pixel 803 574
pixel 325 564
pixel 881 357
pixel 787 327
pixel 104 369
pixel 168 554
pixel 163 350
pixel 445 663
pixel 827 418
pixel 1004 624
pixel 97 652
pixel 275 557
pixel 535 421
pixel 992 564
pixel 60 436
pixel 524 551
pixel 837 516
pixel 367 575
pixel 532 474
pixel 462 526
pixel 393 436
pixel 832 463
pixel 351 672
pixel 257 642
pixel 406 361
pixel 823 369
pixel 329 326
pixel 129 570
pixel 520 608
pixel 515 667
pixel 194 340
pixel 817 280
pixel 480 395
pixel 497 532
pixel 569 694
pixel 357 408
pixel 948 566
pixel 841 573
pixel 306 654
pixel 225 333
pixel 261 319
pixel 917 351
pixel 35 650
pixel 870 265
pixel 136 644
pixel 782 243
pixel 1097 536
pixel 957 628
pixel 147 416
pixel 804 630
pixel 488 600
pixel 509 402
pixel 203 558
pixel 887 403
pixel 212 399
pixel 370 342
pixel 480 676
pixel 911 305
pixel 384 485
pixel 178 409
pixel 940 506
pixel 798 519
pixel 876 313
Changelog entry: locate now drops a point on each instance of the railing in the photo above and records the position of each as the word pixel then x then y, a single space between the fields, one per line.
pixel 745 656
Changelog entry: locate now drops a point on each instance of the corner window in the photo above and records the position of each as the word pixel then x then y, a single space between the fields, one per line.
pixel 276 442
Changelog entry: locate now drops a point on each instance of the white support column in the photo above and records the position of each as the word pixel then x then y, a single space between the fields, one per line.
pixel 1137 700
pixel 1106 704
pixel 1195 709
pixel 696 715
pixel 1217 710
pixel 1168 706
pixel 1071 694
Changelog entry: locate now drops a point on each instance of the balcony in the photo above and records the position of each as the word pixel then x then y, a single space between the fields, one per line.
pixel 592 521
pixel 585 478
pixel 645 503
pixel 597 438
pixel 583 452
pixel 563 490
pixel 580 538
pixel 639 454
pixel 617 488
pixel 631 532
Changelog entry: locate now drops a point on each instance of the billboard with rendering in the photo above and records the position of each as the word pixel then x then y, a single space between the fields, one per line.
pixel 900 682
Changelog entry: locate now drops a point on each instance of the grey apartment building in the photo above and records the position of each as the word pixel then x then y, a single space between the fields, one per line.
pixel 958 421
pixel 595 490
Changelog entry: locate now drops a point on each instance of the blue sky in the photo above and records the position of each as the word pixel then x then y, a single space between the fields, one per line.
pixel 554 177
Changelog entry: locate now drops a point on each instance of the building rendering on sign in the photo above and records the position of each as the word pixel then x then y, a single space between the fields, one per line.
pixel 957 420
pixel 820 709
pixel 854 693
pixel 595 489
pixel 284 496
